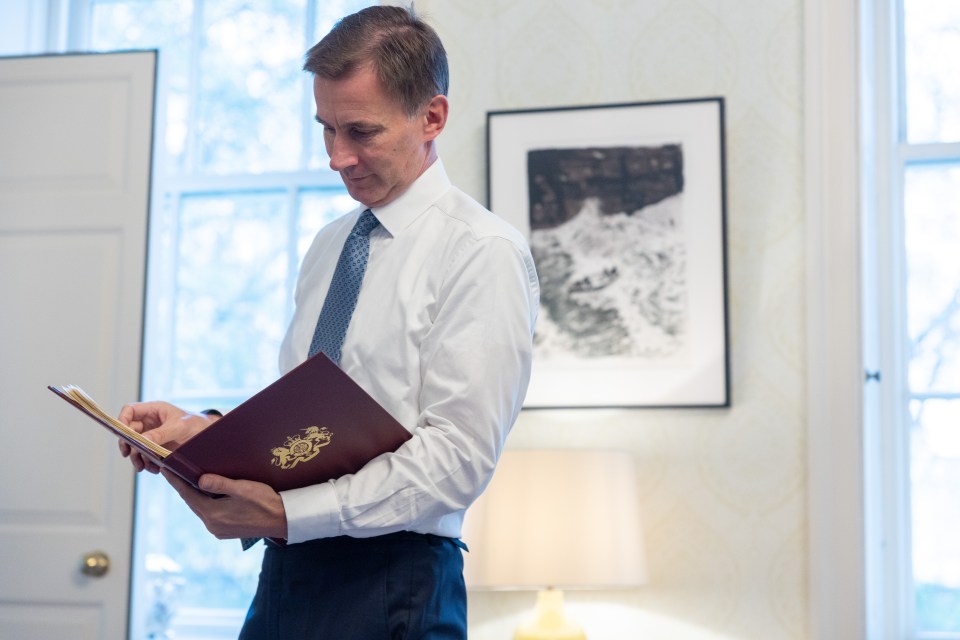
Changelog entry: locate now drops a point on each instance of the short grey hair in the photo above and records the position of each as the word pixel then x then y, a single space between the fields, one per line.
pixel 403 50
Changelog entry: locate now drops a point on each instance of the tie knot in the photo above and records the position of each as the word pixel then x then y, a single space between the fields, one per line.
pixel 365 224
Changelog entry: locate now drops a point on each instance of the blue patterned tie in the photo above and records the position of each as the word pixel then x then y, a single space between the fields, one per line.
pixel 341 299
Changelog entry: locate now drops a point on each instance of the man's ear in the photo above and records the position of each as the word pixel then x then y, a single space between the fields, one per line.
pixel 435 116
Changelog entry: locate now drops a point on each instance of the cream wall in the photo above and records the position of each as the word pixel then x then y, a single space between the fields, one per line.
pixel 723 491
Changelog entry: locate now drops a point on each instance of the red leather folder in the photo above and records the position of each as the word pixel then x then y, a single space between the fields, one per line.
pixel 312 425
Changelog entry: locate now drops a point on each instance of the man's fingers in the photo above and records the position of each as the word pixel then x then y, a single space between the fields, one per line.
pixel 180 485
pixel 142 463
pixel 160 435
pixel 125 415
pixel 246 508
pixel 218 484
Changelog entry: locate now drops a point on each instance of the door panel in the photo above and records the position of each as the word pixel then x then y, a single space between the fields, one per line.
pixel 75 148
pixel 49 622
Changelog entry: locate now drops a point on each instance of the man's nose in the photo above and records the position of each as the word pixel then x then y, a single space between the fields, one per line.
pixel 342 154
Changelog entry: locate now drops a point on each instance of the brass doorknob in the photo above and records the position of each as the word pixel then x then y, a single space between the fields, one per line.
pixel 95 564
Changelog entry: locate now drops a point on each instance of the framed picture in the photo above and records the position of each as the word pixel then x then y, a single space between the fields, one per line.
pixel 624 209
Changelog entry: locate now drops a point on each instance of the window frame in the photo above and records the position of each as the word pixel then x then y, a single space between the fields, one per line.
pixel 887 156
pixel 71 20
pixel 889 574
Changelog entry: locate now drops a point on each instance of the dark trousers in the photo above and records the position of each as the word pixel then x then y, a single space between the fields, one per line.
pixel 401 586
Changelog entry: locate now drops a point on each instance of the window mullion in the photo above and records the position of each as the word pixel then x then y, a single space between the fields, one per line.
pixel 894 276
pixel 68 25
pixel 160 344
pixel 293 254
pixel 887 410
pixel 191 162
pixel 931 152
pixel 306 132
pixel 935 395
pixel 280 181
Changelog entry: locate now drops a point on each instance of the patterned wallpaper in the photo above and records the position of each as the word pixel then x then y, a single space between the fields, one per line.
pixel 723 491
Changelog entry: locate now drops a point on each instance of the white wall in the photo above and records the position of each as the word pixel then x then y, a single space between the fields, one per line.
pixel 724 492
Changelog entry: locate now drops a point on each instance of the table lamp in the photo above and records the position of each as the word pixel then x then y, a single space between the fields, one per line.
pixel 552 520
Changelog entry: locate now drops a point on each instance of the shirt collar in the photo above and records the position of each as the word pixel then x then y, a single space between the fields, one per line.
pixel 419 196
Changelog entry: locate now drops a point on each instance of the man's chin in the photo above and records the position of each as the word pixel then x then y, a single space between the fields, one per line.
pixel 366 197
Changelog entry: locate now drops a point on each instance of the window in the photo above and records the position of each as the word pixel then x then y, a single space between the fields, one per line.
pixel 240 186
pixel 917 197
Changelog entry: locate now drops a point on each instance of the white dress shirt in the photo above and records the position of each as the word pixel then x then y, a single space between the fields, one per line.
pixel 442 338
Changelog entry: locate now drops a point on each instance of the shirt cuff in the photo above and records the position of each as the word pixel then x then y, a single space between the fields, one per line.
pixel 312 512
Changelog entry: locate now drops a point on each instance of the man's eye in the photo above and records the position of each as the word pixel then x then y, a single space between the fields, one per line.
pixel 361 134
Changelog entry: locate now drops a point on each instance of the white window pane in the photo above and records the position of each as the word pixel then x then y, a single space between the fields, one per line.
pixel 249 116
pixel 231 293
pixel 329 11
pixel 932 43
pixel 163 25
pixel 932 227
pixel 935 477
pixel 185 575
pixel 318 207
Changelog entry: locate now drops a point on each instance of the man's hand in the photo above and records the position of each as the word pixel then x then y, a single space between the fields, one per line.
pixel 247 510
pixel 162 423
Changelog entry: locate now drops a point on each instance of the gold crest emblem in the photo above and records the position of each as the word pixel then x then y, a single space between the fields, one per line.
pixel 299 448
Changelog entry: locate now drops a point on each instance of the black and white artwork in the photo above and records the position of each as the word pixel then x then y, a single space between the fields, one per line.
pixel 623 207
pixel 606 234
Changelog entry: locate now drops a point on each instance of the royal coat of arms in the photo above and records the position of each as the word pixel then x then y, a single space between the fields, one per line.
pixel 299 448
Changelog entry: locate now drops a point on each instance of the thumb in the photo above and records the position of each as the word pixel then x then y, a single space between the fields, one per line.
pixel 165 433
pixel 218 484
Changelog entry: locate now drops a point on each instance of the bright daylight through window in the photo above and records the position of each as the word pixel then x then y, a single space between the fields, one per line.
pixel 929 163
pixel 240 186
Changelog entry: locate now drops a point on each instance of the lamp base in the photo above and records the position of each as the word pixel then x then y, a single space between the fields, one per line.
pixel 549 621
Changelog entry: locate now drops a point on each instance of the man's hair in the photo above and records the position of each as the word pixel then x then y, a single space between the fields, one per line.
pixel 403 50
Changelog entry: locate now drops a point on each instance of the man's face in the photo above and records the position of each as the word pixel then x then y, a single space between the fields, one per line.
pixel 375 147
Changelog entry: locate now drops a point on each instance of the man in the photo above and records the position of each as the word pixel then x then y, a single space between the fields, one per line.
pixel 441 336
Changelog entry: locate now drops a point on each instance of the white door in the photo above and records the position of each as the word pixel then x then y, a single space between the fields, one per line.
pixel 75 149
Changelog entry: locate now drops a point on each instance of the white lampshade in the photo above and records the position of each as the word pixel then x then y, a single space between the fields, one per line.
pixel 557 518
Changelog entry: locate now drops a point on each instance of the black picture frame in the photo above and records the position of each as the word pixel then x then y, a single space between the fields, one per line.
pixel 624 206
